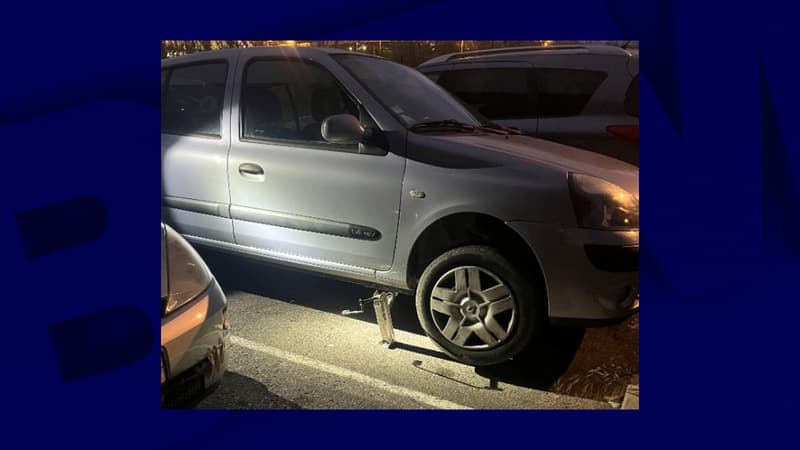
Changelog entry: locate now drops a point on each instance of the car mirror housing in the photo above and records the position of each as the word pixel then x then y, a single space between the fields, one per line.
pixel 342 129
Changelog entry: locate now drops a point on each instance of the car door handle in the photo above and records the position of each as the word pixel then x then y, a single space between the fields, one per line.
pixel 251 169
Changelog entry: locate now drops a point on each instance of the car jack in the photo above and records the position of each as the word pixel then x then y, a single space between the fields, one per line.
pixel 382 301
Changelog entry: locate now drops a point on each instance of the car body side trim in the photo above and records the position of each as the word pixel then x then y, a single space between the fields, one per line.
pixel 198 206
pixel 305 223
pixel 301 262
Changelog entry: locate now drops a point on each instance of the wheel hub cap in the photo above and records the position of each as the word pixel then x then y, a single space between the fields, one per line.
pixel 469 307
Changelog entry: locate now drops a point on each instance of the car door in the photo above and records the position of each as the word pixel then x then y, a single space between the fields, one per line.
pixel 296 197
pixel 502 91
pixel 195 139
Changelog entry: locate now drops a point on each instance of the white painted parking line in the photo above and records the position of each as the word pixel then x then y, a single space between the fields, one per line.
pixel 430 400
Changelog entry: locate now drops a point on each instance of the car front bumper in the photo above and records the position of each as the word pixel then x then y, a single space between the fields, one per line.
pixel 194 340
pixel 591 276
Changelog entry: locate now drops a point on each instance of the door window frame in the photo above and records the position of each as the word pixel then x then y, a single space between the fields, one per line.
pixel 169 69
pixel 306 144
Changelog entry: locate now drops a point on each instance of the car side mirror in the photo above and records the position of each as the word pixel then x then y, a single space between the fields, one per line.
pixel 342 129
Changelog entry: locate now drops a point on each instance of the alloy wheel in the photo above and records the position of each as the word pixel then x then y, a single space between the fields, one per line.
pixel 473 308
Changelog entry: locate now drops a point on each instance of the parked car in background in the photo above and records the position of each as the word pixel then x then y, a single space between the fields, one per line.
pixel 194 322
pixel 358 167
pixel 585 96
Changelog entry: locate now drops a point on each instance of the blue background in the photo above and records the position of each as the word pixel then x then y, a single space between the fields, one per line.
pixel 720 255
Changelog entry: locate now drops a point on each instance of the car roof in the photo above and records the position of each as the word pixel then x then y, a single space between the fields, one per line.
pixel 276 51
pixel 474 55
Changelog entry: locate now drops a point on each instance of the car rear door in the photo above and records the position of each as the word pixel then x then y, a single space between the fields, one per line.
pixel 195 139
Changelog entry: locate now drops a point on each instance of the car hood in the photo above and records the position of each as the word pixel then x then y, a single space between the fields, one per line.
pixel 526 149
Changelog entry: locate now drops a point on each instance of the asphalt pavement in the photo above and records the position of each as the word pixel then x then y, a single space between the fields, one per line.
pixel 292 348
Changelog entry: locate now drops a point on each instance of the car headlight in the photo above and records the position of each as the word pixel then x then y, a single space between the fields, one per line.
pixel 187 274
pixel 601 204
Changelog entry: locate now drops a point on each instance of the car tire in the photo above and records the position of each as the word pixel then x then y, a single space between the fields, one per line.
pixel 478 307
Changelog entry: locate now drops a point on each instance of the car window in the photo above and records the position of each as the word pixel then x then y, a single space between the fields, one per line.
pixel 565 92
pixel 193 99
pixel 408 95
pixel 433 76
pixel 501 93
pixel 632 98
pixel 287 99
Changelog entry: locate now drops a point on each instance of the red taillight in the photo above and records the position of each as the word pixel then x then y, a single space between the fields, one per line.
pixel 629 133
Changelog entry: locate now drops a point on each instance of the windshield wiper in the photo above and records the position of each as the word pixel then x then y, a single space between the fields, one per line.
pixel 449 124
pixel 498 127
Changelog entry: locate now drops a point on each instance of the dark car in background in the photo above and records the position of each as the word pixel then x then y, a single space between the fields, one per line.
pixel 584 96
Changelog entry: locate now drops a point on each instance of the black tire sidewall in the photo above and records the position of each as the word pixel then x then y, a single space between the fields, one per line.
pixel 530 313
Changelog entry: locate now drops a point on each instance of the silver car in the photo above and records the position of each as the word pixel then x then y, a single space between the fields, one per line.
pixel 358 167
pixel 194 322
pixel 585 96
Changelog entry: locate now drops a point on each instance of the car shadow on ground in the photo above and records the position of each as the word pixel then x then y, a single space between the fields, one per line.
pixel 237 391
pixel 537 367
pixel 542 363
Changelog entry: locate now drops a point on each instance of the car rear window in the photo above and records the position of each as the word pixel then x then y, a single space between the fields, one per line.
pixel 433 76
pixel 518 93
pixel 632 98
pixel 565 92
pixel 193 98
pixel 500 93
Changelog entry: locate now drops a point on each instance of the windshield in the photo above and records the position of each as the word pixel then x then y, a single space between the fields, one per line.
pixel 409 95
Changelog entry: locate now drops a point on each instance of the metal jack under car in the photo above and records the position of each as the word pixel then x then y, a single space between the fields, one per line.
pixel 382 302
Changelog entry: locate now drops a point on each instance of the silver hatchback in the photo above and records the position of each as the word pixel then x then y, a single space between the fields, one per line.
pixel 361 168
